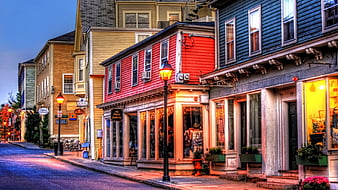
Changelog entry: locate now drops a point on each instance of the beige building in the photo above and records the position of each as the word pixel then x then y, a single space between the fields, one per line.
pixel 55 75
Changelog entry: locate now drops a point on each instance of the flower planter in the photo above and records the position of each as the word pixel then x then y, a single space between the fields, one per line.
pixel 215 158
pixel 251 158
pixel 197 166
pixel 322 161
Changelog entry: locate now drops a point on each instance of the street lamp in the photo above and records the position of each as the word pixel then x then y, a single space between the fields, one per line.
pixel 59 100
pixel 165 74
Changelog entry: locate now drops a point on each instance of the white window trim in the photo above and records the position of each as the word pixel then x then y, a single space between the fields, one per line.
pixel 115 77
pixel 294 23
pixel 174 12
pixel 137 34
pixel 226 47
pixel 63 84
pixel 326 29
pixel 124 17
pixel 151 55
pixel 260 31
pixel 166 40
pixel 132 70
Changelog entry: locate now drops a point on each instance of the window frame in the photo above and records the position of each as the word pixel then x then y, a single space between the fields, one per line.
pixel 233 41
pixel 110 79
pixel 134 70
pixel 63 83
pixel 138 34
pixel 81 70
pixel 259 51
pixel 136 18
pixel 324 19
pixel 117 81
pixel 173 13
pixel 164 57
pixel 283 21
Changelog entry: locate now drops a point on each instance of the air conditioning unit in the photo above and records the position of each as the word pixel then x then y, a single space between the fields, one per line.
pixel 117 85
pixel 146 75
pixel 181 77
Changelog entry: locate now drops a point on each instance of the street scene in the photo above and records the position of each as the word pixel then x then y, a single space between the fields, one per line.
pixel 174 94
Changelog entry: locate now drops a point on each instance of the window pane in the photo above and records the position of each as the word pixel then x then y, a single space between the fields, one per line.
pixel 255 120
pixel 152 134
pixel 144 134
pixel 68 84
pixel 147 62
pixel 230 40
pixel 220 123
pixel 192 131
pixel 173 17
pixel 231 131
pixel 130 20
pixel 334 111
pixel 143 20
pixel 108 138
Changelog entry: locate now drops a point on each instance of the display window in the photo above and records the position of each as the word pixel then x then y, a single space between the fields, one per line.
pixel 321 112
pixel 220 138
pixel 192 130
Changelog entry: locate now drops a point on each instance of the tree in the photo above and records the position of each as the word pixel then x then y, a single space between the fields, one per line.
pixel 32 126
pixel 15 102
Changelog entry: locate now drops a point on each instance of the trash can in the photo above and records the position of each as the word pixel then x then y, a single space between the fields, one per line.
pixel 56 149
pixel 85 154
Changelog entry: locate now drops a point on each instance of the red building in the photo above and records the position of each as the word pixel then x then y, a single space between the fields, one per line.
pixel 133 107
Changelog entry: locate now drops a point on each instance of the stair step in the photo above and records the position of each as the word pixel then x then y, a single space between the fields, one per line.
pixel 283 179
pixel 277 186
pixel 234 177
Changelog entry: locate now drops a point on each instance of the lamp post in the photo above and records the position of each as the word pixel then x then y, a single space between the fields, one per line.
pixel 59 100
pixel 9 122
pixel 165 74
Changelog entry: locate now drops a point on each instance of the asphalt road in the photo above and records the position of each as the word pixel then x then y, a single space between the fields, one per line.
pixel 22 169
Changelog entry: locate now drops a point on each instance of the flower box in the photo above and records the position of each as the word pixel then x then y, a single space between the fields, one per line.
pixel 251 158
pixel 321 161
pixel 215 158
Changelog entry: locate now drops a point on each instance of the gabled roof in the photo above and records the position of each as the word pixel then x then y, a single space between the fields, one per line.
pixel 97 13
pixel 69 37
pixel 167 31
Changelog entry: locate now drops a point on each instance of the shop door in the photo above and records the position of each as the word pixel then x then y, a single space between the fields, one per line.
pixel 293 135
pixel 244 129
pixel 133 136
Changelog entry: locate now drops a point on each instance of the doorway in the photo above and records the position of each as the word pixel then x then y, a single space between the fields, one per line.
pixel 293 135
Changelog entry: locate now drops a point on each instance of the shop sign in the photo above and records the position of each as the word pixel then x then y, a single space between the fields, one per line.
pixel 43 111
pixel 72 117
pixel 79 111
pixel 116 114
pixel 82 103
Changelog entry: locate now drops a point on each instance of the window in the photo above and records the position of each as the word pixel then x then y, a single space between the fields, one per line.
pixel 141 36
pixel 288 19
pixel 330 13
pixel 117 76
pixel 173 18
pixel 192 130
pixel 135 70
pixel 230 40
pixel 255 31
pixel 220 138
pixel 137 20
pixel 81 67
pixel 68 84
pixel 255 129
pixel 147 60
pixel 164 51
pixel 110 79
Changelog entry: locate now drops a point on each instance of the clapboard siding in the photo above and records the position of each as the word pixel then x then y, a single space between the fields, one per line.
pixel 309 26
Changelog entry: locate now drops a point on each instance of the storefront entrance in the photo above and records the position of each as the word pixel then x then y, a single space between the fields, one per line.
pixel 293 135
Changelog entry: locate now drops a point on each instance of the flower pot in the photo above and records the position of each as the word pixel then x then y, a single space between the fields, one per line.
pixel 197 166
pixel 321 161
pixel 251 158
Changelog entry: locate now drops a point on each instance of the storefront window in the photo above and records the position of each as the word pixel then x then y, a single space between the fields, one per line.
pixel 114 138
pixel 170 127
pixel 108 145
pixel 315 109
pixel 133 136
pixel 144 134
pixel 120 131
pixel 192 130
pixel 220 138
pixel 152 134
pixel 231 132
pixel 255 132
pixel 334 111
pixel 160 132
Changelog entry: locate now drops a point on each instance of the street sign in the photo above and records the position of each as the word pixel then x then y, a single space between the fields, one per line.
pixel 82 103
pixel 43 111
pixel 59 115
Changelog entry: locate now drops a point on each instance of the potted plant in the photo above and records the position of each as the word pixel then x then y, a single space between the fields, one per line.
pixel 215 155
pixel 311 155
pixel 316 182
pixel 250 154
pixel 197 161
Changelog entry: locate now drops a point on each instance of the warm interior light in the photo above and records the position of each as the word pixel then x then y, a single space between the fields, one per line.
pixel 166 71
pixel 321 87
pixel 60 99
pixel 10 110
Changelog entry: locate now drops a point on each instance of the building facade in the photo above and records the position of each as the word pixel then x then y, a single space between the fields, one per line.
pixel 104 28
pixel 54 75
pixel 133 101
pixel 281 65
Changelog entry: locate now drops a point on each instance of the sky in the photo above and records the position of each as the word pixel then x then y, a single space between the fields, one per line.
pixel 25 27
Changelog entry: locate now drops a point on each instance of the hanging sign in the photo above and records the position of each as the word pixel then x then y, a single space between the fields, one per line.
pixel 82 102
pixel 72 117
pixel 79 111
pixel 43 111
pixel 116 114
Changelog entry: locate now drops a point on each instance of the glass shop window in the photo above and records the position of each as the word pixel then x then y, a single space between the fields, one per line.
pixel 333 94
pixel 108 143
pixel 192 131
pixel 114 143
pixel 120 132
pixel 220 138
pixel 231 131
pixel 133 146
pixel 152 134
pixel 315 112
pixel 255 128
pixel 170 128
pixel 144 134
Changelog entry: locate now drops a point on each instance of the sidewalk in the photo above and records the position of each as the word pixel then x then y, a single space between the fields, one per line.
pixel 153 178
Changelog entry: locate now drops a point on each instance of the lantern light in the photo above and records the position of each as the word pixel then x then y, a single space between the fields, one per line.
pixel 60 98
pixel 166 70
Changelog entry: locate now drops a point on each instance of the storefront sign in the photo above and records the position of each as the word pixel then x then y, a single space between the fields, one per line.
pixel 79 111
pixel 82 103
pixel 43 111
pixel 116 114
pixel 72 117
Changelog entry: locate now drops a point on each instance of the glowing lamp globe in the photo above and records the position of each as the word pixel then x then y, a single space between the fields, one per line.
pixel 166 71
pixel 60 99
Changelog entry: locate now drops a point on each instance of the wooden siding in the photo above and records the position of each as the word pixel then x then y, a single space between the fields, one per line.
pixel 309 26
pixel 198 56
pixel 106 44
